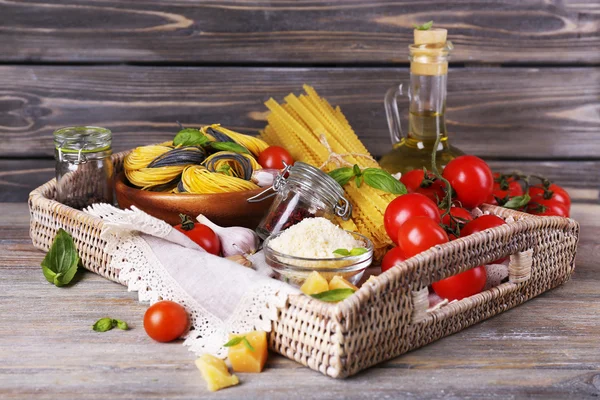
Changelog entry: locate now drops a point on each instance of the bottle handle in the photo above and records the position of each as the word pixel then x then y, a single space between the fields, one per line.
pixel 392 113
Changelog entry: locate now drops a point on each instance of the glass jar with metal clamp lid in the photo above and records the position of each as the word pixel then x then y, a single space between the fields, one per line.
pixel 305 193
pixel 84 168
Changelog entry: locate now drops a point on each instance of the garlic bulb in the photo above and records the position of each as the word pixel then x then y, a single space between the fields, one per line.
pixel 265 177
pixel 235 240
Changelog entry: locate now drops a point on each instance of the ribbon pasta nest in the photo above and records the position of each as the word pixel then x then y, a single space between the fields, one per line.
pixel 212 159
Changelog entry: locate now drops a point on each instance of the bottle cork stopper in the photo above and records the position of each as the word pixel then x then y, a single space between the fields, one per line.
pixel 430 36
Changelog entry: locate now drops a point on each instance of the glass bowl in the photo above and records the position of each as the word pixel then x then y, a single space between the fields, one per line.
pixel 294 270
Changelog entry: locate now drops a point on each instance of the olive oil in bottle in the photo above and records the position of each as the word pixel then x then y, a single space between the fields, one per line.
pixel 427 99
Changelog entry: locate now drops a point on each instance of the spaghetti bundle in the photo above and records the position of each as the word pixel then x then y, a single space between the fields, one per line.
pixel 190 168
pixel 316 133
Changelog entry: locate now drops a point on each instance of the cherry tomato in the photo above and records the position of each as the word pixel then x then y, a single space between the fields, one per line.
pixel 503 188
pixel 165 321
pixel 554 192
pixel 274 157
pixel 200 234
pixel 393 257
pixel 460 214
pixel 407 206
pixel 540 206
pixel 471 178
pixel 432 187
pixel 480 224
pixel 418 234
pixel 462 285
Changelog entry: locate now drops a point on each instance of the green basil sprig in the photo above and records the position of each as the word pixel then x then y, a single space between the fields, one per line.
pixel 334 295
pixel 106 324
pixel 237 340
pixel 229 146
pixel 60 264
pixel 374 177
pixel 357 251
pixel 425 27
pixel 190 137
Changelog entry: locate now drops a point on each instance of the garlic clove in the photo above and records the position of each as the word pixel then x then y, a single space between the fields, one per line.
pixel 240 259
pixel 235 240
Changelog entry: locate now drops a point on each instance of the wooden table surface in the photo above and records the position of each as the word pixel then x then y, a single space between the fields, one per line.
pixel 546 348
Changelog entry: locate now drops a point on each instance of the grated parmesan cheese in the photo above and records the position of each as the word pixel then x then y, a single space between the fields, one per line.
pixel 314 238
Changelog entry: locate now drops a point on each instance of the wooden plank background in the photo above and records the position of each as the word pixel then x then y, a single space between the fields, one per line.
pixel 523 91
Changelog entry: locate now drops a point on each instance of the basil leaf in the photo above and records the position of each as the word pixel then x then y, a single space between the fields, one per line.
pixel 335 295
pixel 190 137
pixel 357 251
pixel 247 344
pixel 342 175
pixel 122 325
pixel 357 171
pixel 517 201
pixel 382 180
pixel 235 341
pixel 60 264
pixel 103 325
pixel 229 146
pixel 425 27
pixel 342 252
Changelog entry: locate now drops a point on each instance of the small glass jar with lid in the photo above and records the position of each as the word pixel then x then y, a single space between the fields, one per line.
pixel 302 191
pixel 84 168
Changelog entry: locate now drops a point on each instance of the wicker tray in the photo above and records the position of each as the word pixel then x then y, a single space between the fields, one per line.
pixel 388 316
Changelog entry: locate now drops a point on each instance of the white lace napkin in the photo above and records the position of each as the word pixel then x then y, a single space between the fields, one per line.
pixel 161 263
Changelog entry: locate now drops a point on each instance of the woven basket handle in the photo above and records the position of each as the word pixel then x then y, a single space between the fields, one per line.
pixel 519 271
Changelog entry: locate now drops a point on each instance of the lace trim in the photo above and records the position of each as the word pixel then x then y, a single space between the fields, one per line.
pixel 143 273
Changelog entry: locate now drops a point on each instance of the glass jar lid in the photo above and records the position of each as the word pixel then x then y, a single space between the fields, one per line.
pixel 82 139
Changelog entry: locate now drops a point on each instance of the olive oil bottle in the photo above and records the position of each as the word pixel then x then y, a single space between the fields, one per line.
pixel 427 99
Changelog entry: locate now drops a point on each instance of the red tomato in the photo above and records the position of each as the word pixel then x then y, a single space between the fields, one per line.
pixel 462 285
pixel 508 187
pixel 480 224
pixel 407 206
pixel 418 234
pixel 413 180
pixel 165 321
pixel 554 192
pixel 540 206
pixel 393 257
pixel 274 157
pixel 459 213
pixel 201 234
pixel 471 178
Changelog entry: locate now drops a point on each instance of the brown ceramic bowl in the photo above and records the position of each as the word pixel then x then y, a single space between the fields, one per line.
pixel 225 209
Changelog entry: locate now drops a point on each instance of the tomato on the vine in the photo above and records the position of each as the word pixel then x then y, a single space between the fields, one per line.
pixel 504 187
pixel 554 193
pixel 393 257
pixel 274 157
pixel 471 178
pixel 480 224
pixel 407 206
pixel 165 321
pixel 431 187
pixel 463 285
pixel 418 234
pixel 542 207
pixel 200 234
pixel 461 216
